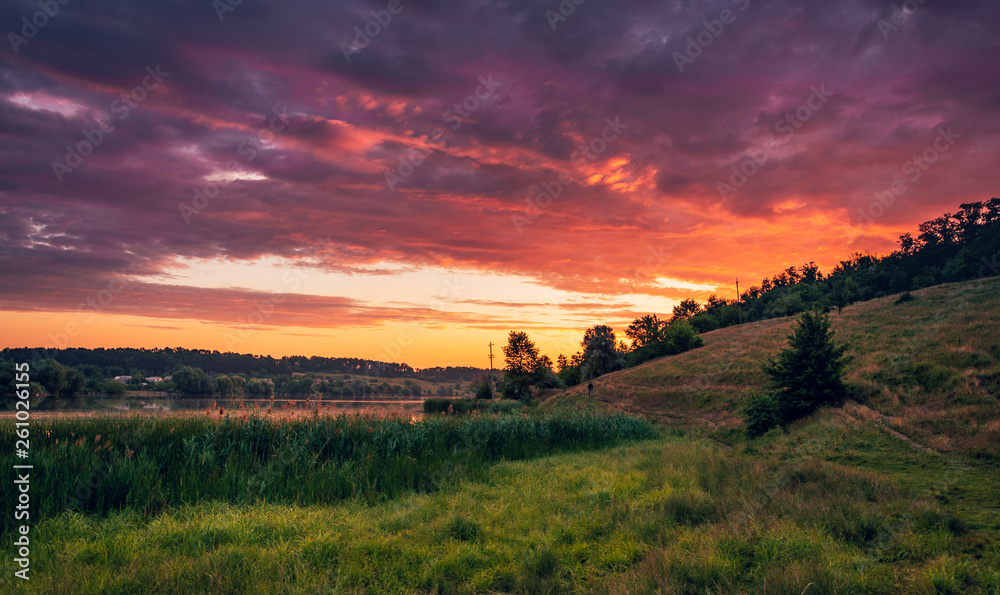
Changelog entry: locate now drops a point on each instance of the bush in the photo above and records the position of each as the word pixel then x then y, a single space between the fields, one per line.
pixel 481 388
pixel 760 413
pixel 442 405
pixel 504 406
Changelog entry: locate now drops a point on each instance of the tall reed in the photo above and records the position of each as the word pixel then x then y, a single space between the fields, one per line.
pixel 146 464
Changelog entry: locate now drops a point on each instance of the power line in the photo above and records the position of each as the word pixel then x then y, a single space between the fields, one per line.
pixel 739 308
pixel 491 369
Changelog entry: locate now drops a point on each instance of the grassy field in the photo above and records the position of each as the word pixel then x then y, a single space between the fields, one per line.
pixel 897 492
pixel 834 505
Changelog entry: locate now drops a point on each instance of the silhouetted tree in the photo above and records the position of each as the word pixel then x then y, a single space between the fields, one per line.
pixel 600 353
pixel 686 309
pixel 645 330
pixel 521 365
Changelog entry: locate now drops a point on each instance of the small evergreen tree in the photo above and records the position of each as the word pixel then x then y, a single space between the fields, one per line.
pixel 808 375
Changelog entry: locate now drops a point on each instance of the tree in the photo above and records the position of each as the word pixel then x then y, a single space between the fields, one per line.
pixel 544 377
pixel 678 336
pixel 521 365
pixel 7 377
pixel 57 379
pixel 600 353
pixel 192 381
pixel 259 388
pixel 645 331
pixel 228 385
pixel 481 388
pixel 686 309
pixel 112 387
pixel 842 292
pixel 569 368
pixel 809 373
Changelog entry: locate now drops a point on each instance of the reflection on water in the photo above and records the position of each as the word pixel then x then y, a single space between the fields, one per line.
pixel 90 404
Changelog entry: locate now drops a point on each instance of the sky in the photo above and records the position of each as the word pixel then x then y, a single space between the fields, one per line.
pixel 409 181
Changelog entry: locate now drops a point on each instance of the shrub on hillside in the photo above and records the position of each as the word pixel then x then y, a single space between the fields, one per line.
pixel 760 413
pixel 809 373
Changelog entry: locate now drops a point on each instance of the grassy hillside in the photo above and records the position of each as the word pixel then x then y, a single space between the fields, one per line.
pixel 927 367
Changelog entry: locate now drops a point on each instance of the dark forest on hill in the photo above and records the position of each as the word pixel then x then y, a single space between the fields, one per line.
pixel 955 247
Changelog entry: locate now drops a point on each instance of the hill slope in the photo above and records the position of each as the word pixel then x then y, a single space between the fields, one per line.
pixel 928 367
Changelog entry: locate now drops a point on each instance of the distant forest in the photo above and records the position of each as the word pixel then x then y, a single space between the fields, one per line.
pixel 127 361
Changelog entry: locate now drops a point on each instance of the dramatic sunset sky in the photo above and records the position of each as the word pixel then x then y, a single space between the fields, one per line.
pixel 287 184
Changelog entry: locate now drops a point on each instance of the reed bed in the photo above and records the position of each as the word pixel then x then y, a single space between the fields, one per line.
pixel 146 464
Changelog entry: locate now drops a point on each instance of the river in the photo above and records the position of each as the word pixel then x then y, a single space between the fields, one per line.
pixel 125 404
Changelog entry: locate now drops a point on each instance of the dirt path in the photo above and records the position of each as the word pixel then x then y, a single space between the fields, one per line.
pixel 883 422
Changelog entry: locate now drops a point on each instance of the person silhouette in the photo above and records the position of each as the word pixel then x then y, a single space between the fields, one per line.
pixel 590 389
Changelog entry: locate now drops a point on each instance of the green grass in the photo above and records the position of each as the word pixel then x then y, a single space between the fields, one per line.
pixel 147 464
pixel 673 514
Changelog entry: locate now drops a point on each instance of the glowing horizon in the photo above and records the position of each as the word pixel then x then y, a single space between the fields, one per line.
pixel 185 178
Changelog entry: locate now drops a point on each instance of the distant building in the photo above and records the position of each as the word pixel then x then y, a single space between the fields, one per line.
pixel 154 379
pixel 125 379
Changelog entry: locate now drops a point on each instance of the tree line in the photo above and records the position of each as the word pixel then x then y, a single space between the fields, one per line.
pixel 601 353
pixel 100 364
pixel 123 361
pixel 954 247
pixel 50 377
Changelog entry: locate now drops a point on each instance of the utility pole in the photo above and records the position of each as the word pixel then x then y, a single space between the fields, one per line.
pixel 739 308
pixel 491 369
